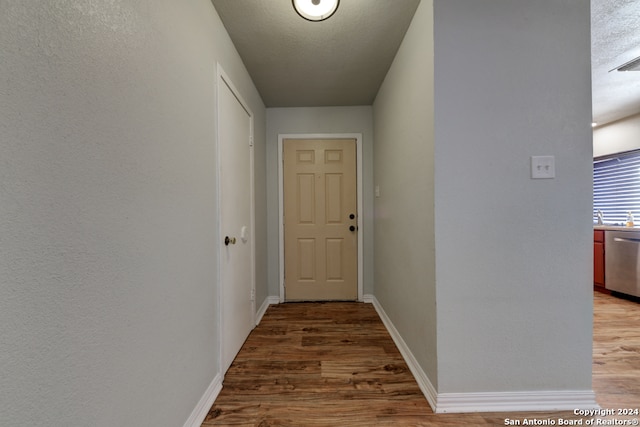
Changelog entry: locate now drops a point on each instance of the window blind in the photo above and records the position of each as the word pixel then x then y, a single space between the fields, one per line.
pixel 616 187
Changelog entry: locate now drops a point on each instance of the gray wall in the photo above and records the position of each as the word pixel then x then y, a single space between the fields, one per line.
pixel 108 228
pixel 486 273
pixel 514 256
pixel 319 120
pixel 404 212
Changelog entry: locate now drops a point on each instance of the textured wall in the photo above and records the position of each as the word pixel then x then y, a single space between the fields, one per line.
pixel 319 120
pixel 108 233
pixel 514 255
pixel 404 171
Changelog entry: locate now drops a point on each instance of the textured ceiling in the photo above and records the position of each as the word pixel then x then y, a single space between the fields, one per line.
pixel 298 63
pixel 343 60
pixel 615 39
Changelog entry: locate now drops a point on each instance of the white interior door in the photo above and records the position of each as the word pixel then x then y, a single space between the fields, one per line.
pixel 236 205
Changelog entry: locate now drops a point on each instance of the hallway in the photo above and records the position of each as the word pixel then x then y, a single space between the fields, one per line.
pixel 310 364
pixel 334 364
pixel 112 240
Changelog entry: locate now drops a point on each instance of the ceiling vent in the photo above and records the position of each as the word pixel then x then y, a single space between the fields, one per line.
pixel 633 65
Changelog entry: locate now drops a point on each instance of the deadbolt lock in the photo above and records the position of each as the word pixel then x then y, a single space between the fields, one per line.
pixel 229 240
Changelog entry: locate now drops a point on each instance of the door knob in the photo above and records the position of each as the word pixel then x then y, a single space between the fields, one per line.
pixel 229 240
pixel 352 228
pixel 352 216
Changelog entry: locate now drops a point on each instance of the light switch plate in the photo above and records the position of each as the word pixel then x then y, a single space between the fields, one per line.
pixel 543 167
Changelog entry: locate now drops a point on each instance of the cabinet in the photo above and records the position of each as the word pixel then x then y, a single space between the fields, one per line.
pixel 598 259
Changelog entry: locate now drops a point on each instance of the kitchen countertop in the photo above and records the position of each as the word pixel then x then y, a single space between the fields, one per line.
pixel 615 227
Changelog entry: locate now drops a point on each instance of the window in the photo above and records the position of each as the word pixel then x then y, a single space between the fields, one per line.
pixel 616 187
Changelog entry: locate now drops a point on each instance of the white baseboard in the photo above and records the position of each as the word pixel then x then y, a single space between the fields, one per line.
pixel 263 308
pixel 423 381
pixel 484 402
pixel 202 408
pixel 516 401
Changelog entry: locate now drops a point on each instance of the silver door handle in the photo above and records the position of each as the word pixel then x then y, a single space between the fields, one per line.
pixel 626 239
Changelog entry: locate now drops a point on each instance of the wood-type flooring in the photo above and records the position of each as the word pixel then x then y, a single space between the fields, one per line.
pixel 334 364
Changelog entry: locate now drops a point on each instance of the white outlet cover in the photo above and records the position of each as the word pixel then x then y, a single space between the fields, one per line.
pixel 543 167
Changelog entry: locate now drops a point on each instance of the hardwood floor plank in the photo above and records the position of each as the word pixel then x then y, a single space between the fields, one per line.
pixel 334 364
pixel 616 351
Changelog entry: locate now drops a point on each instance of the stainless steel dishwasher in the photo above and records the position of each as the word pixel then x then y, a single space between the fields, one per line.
pixel 622 261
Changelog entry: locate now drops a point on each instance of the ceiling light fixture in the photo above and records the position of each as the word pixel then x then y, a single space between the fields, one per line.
pixel 315 10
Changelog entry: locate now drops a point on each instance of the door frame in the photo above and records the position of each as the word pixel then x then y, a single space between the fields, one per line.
pixel 358 138
pixel 223 79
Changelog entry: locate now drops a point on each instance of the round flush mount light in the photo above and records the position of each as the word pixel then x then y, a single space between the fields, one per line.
pixel 315 10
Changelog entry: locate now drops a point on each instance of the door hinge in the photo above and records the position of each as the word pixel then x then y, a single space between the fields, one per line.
pixel 253 294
